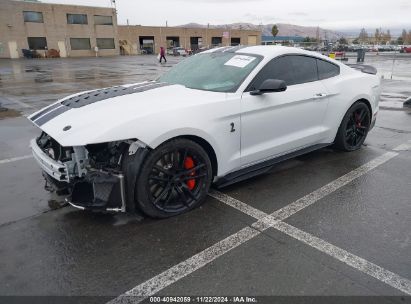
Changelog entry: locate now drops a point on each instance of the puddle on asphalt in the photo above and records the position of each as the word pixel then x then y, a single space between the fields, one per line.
pixel 54 204
pixel 8 113
pixel 43 79
pixel 124 219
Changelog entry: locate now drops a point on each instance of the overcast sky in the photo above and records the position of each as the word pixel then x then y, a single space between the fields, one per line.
pixel 331 14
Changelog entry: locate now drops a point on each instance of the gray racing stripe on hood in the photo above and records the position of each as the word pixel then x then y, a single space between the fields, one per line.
pixel 102 94
pixel 92 97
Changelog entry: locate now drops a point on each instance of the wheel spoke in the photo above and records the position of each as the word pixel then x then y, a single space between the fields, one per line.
pixel 362 115
pixel 175 159
pixel 162 170
pixel 186 178
pixel 360 131
pixel 183 159
pixel 160 196
pixel 181 194
pixel 191 170
pixel 158 178
pixel 167 198
pixel 164 160
pixel 354 139
pixel 350 135
pixel 185 187
pixel 349 131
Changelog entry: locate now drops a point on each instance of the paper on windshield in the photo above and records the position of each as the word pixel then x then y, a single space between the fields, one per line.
pixel 240 61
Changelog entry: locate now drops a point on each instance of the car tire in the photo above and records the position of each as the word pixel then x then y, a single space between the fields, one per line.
pixel 354 128
pixel 174 178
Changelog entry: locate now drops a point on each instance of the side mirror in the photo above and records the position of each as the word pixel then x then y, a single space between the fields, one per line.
pixel 270 86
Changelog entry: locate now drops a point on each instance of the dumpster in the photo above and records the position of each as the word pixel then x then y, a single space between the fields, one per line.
pixel 360 55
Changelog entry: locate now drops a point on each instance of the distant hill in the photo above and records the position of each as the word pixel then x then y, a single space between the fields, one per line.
pixel 283 29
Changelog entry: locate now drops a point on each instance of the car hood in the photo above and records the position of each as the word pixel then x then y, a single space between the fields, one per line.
pixel 106 115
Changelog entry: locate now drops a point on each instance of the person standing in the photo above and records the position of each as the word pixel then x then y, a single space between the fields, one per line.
pixel 162 54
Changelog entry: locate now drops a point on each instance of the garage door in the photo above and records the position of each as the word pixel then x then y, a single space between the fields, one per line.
pixel 252 40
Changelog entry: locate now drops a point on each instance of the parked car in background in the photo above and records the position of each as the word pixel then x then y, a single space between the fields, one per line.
pixel 405 49
pixel 179 51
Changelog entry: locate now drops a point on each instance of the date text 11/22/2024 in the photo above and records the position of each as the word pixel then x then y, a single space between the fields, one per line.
pixel 205 299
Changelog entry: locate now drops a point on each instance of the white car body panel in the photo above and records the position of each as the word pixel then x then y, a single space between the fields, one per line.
pixel 274 124
pixel 266 126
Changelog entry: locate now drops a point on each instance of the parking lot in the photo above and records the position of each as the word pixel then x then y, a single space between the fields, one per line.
pixel 324 224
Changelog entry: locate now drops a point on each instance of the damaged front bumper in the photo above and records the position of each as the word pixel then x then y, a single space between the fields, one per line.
pixel 95 190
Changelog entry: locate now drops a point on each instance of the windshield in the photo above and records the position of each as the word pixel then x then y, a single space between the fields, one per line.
pixel 218 71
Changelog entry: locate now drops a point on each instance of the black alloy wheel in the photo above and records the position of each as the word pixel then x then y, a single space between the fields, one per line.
pixel 354 127
pixel 175 178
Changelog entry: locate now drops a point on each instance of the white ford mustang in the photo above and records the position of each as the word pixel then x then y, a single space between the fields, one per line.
pixel 217 117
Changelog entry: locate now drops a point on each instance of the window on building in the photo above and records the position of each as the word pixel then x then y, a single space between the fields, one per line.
pixel 216 41
pixel 37 43
pixel 80 43
pixel 327 69
pixel 77 19
pixel 105 43
pixel 103 20
pixel 33 17
pixel 235 41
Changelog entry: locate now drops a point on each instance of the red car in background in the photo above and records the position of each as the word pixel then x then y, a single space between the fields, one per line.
pixel 406 49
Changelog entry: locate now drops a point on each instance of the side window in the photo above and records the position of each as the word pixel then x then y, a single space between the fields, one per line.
pixel 305 69
pixel 293 69
pixel 327 69
pixel 278 68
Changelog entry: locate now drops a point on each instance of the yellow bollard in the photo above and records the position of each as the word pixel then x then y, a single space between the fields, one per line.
pixel 331 55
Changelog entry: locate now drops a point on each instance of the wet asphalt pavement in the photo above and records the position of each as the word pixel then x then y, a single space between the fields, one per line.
pixel 49 250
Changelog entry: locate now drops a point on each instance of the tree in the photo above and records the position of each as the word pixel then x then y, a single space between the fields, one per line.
pixel 274 30
pixel 408 38
pixel 387 36
pixel 400 41
pixel 342 40
pixel 363 37
pixel 377 36
pixel 404 35
pixel 355 41
pixel 309 39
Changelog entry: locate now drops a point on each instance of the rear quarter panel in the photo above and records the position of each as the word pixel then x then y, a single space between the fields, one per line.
pixel 344 90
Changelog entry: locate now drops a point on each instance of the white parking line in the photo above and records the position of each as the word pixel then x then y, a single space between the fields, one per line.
pixel 358 263
pixel 265 221
pixel 342 255
pixel 331 187
pixel 179 271
pixel 10 160
pixel 404 147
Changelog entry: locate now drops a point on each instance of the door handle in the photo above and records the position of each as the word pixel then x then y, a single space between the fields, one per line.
pixel 320 95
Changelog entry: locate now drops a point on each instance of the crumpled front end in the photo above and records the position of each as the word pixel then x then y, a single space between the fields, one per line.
pixel 90 176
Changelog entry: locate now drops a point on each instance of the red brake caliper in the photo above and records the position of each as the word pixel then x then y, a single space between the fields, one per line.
pixel 357 120
pixel 188 164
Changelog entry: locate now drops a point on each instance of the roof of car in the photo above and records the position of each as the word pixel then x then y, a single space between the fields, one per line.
pixel 267 50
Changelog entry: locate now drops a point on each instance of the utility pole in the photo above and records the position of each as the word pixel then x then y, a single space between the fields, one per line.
pixel 113 3
pixel 208 26
pixel 393 63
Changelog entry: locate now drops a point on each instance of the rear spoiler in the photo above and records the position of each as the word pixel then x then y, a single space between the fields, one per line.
pixel 363 68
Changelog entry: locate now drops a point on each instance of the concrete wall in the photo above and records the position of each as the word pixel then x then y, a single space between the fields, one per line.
pixel 129 35
pixel 55 27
